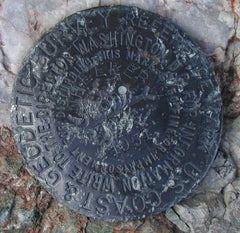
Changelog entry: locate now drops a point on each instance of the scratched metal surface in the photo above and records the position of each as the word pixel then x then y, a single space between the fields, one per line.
pixel 117 113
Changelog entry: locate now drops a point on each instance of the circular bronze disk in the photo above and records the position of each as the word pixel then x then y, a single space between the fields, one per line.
pixel 117 113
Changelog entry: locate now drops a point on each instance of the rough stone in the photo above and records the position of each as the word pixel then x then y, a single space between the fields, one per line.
pixel 231 140
pixel 238 31
pixel 174 218
pixel 60 219
pixel 196 217
pixel 6 204
pixel 157 224
pixel 222 172
pixel 23 212
pixel 102 227
pixel 198 212
pixel 232 201
pixel 221 225
pixel 19 201
pixel 10 161
pixel 19 10
pixel 11 39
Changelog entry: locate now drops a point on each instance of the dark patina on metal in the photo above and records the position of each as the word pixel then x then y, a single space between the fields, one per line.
pixel 117 113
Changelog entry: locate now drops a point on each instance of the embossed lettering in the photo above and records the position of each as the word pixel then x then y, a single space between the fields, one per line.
pixel 143 21
pixel 104 15
pixel 187 133
pixel 24 118
pixel 27 135
pixel 62 160
pixel 191 170
pixel 81 46
pixel 54 177
pixel 102 206
pixel 32 151
pixel 88 201
pixel 71 191
pixel 120 204
pixel 21 102
pixel 154 198
pixel 138 203
pixel 41 165
pixel 27 79
pixel 166 167
pixel 48 47
pixel 44 128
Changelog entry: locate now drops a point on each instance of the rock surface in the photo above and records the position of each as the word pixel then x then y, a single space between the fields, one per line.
pixel 214 206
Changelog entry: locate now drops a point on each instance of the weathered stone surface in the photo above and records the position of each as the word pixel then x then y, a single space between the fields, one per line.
pixel 218 35
pixel 200 208
pixel 23 203
pixel 6 205
pixel 103 227
pixel 174 218
pixel 10 161
pixel 231 140
pixel 196 217
pixel 222 172
pixel 232 201
pixel 157 224
pixel 60 219
pixel 221 225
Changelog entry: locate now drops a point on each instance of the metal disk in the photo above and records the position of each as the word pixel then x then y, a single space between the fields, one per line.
pixel 117 113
